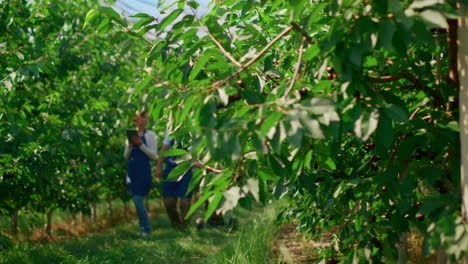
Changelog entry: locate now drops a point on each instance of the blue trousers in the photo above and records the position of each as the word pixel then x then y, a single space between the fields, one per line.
pixel 142 213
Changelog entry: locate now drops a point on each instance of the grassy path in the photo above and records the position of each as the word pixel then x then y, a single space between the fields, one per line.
pixel 251 243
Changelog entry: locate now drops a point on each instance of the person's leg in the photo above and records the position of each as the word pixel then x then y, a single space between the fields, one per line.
pixel 171 208
pixel 142 214
pixel 184 208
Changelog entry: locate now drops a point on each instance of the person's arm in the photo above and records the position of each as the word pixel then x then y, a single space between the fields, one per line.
pixel 150 149
pixel 127 151
pixel 161 160
pixel 166 143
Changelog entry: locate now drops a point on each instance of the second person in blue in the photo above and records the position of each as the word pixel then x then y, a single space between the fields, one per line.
pixel 139 151
pixel 176 199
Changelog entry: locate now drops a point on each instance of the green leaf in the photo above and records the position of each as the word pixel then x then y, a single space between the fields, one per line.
pixel 90 16
pixel 253 97
pixel 217 31
pixel 310 125
pixel 454 125
pixel 207 118
pixel 174 152
pixel 319 105
pixel 252 186
pixel 199 65
pixel 396 113
pixel 384 133
pixel 434 17
pixel 193 4
pixel 366 124
pixel 386 30
pixel 223 96
pixel 141 15
pixel 204 197
pixel 111 13
pixel 269 122
pixel 419 4
pixel 179 171
pixel 169 19
pixel 295 133
pixel 213 205
pixel 143 22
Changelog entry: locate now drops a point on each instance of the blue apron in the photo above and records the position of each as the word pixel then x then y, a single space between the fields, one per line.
pixel 139 171
pixel 175 188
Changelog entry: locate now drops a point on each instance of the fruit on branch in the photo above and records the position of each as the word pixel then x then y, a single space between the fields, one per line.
pixel 441 187
pixel 376 242
pixel 421 217
pixel 319 179
pixel 9 175
pixel 384 188
pixel 418 203
pixel 331 73
pixel 303 92
pixel 369 146
pixel 240 83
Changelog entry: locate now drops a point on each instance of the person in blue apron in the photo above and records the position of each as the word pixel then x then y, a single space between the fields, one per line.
pixel 139 151
pixel 176 199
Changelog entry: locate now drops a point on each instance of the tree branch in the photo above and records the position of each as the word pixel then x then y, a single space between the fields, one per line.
pixel 387 78
pixel 217 84
pixel 224 51
pixel 298 69
pixel 416 83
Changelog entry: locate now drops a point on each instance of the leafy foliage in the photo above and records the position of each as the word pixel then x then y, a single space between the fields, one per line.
pixel 62 109
pixel 346 107
pixel 342 105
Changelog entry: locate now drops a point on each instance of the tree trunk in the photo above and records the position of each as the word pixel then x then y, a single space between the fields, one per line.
pixel 441 257
pixel 109 210
pixel 403 248
pixel 403 244
pixel 48 225
pixel 93 213
pixel 463 105
pixel 74 219
pixel 14 222
pixel 80 219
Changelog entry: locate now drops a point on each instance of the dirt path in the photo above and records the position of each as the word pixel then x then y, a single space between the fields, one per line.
pixel 292 247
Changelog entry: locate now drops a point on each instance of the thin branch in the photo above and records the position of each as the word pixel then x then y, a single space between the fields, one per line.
pixel 225 52
pixel 387 78
pixel 416 83
pixel 217 84
pixel 447 79
pixel 414 113
pixel 298 69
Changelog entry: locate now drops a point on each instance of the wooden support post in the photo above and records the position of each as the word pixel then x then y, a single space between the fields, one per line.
pixel 463 105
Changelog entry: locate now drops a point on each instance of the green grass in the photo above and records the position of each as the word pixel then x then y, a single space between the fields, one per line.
pixel 249 244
